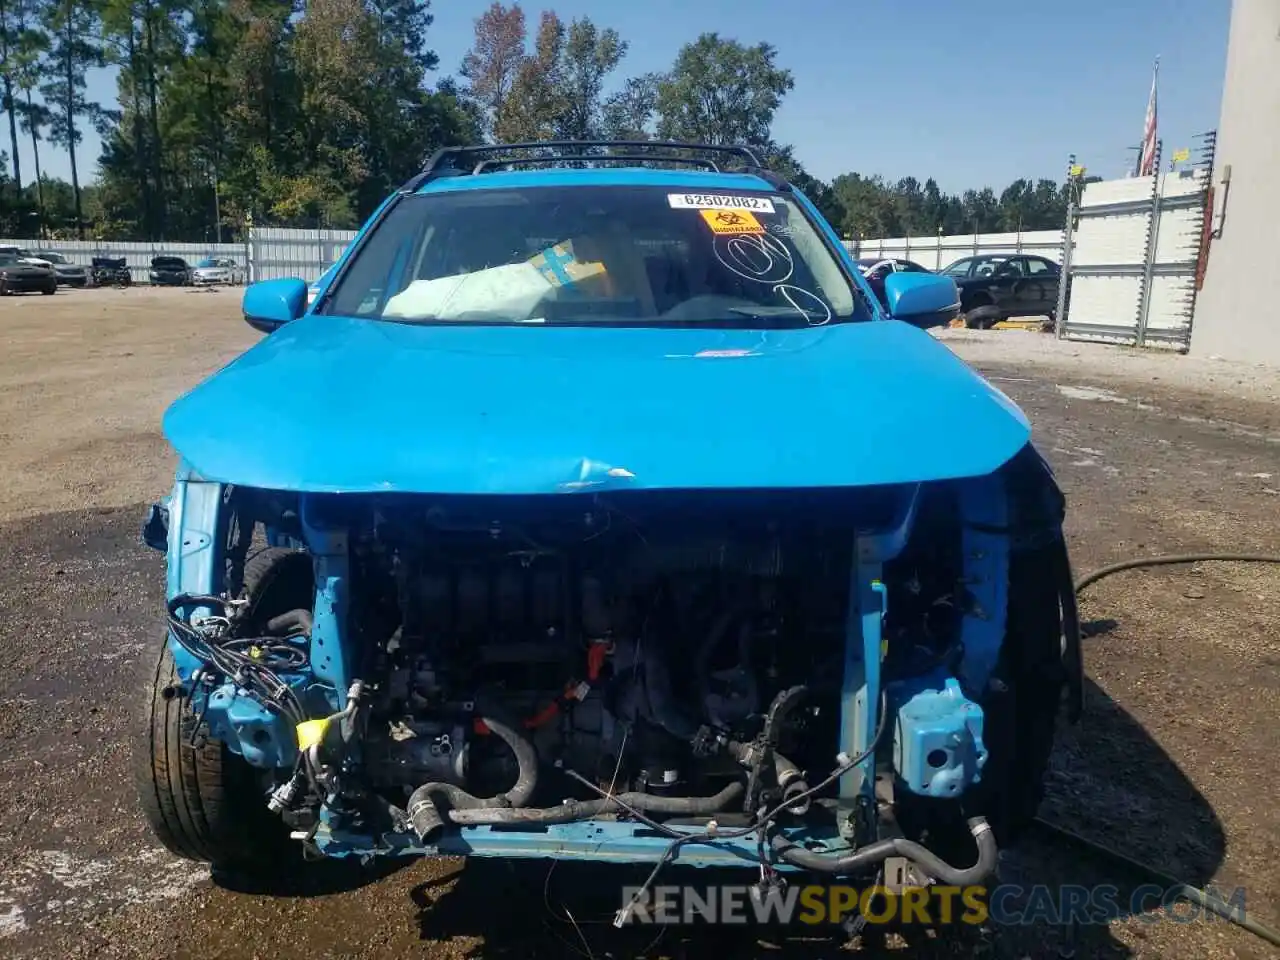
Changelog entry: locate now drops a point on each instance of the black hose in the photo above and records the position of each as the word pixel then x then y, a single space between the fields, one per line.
pixel 1185 890
pixel 575 810
pixel 881 850
pixel 1194 894
pixel 1171 559
pixel 425 813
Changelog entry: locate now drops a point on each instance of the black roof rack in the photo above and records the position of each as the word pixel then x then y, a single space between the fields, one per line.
pixel 702 162
pixel 478 158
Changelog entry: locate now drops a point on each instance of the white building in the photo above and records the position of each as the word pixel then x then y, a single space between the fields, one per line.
pixel 1237 312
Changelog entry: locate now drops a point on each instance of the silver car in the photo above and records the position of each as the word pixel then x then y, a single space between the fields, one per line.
pixel 217 270
pixel 69 274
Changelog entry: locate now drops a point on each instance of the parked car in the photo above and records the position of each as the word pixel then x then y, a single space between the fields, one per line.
pixel 995 287
pixel 21 276
pixel 25 256
pixel 69 274
pixel 111 272
pixel 587 506
pixel 217 270
pixel 171 271
pixel 875 269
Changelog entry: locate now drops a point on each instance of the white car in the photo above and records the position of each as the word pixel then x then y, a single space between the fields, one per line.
pixel 26 256
pixel 215 270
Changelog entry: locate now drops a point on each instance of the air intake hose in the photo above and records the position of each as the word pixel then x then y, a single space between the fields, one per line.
pixel 881 850
pixel 424 804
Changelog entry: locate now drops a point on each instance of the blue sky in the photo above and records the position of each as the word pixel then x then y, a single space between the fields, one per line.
pixel 971 92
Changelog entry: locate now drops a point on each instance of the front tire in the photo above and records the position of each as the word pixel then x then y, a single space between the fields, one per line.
pixel 202 803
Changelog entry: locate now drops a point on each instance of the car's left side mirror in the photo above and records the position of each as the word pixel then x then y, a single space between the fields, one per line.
pixel 270 304
pixel 922 299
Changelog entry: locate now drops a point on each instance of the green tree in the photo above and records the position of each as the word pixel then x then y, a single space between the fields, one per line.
pixel 720 92
pixel 590 55
pixel 72 26
pixel 629 113
pixel 536 104
pixel 494 61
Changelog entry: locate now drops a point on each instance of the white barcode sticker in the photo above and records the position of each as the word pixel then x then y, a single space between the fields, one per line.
pixel 719 201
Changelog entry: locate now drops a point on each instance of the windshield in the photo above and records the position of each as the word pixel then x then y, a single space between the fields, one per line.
pixel 52 257
pixel 621 255
pixel 207 262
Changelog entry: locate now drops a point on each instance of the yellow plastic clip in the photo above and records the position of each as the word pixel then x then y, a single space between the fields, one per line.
pixel 311 732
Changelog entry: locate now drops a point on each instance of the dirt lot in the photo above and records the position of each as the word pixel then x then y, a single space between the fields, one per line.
pixel 1174 762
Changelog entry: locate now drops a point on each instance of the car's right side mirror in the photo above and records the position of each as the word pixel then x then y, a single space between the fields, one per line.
pixel 922 299
pixel 270 304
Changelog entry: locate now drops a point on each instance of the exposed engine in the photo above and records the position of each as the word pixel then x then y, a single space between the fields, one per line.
pixel 453 662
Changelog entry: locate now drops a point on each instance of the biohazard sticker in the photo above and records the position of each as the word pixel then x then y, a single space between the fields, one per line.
pixel 732 221
pixel 719 201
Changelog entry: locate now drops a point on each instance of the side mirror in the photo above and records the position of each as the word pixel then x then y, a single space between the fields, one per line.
pixel 270 304
pixel 922 299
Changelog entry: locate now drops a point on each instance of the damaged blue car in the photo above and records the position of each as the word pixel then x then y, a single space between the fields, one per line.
pixel 596 508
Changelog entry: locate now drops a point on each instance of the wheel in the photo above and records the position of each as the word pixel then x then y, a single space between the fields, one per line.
pixel 204 802
pixel 50 290
pixel 4 287
pixel 982 317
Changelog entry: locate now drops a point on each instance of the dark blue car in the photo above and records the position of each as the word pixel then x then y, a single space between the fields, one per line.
pixel 600 510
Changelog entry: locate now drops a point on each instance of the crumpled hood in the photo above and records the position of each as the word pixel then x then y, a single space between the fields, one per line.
pixel 329 404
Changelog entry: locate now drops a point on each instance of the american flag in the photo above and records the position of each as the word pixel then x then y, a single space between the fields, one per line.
pixel 1147 158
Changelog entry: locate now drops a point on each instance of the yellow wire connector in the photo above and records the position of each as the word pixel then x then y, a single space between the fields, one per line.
pixel 311 732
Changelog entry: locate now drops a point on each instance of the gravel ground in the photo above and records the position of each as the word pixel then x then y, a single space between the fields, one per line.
pixel 1157 453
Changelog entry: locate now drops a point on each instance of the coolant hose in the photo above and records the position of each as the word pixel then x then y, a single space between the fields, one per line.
pixel 795 790
pixel 881 850
pixel 574 810
pixel 423 809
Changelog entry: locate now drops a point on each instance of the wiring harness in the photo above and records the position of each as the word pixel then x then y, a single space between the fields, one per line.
pixel 251 663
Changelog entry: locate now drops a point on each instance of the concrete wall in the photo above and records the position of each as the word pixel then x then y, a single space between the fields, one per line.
pixel 1238 309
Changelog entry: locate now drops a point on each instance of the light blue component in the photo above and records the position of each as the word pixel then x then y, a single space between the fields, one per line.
pixel 270 304
pixel 330 654
pixel 938 749
pixel 522 410
pixel 985 510
pixel 599 841
pixel 923 299
pixel 263 738
pixel 859 699
pixel 194 554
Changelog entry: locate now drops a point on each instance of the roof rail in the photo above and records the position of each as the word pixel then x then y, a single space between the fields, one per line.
pixel 441 160
pixel 702 162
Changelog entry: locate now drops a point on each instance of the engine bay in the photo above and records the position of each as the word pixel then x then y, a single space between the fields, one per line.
pixel 404 671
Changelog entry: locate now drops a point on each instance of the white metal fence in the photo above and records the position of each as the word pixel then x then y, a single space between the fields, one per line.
pixel 936 252
pixel 137 254
pixel 1135 258
pixel 268 253
pixel 277 252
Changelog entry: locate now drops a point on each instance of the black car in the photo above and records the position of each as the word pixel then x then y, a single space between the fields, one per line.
pixel 19 277
pixel 995 287
pixel 875 269
pixel 171 271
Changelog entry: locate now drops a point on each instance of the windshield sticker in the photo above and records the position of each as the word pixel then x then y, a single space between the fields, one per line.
pixel 734 222
pixel 716 201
